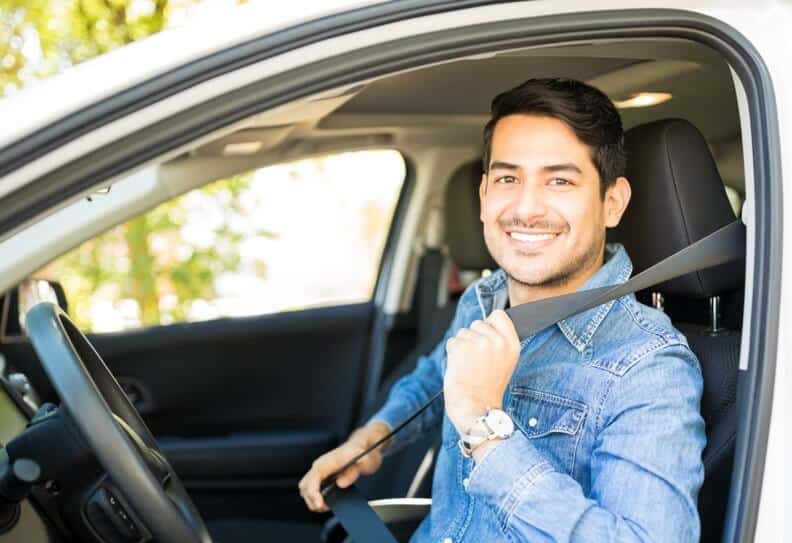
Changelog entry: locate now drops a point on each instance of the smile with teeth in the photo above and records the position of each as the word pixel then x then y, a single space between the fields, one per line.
pixel 521 236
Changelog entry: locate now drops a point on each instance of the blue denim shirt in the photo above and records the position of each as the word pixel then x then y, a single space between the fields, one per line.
pixel 609 436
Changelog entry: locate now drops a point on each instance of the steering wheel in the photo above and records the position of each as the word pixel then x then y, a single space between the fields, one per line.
pixel 113 429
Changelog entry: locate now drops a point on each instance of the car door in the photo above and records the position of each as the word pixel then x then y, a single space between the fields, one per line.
pixel 158 104
pixel 238 318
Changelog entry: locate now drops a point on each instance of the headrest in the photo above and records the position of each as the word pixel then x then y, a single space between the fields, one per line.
pixel 464 232
pixel 678 197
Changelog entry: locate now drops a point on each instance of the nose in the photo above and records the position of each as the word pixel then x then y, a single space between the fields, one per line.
pixel 531 202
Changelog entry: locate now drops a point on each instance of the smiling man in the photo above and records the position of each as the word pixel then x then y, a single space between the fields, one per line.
pixel 588 430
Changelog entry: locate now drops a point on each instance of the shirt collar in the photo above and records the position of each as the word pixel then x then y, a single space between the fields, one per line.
pixel 492 293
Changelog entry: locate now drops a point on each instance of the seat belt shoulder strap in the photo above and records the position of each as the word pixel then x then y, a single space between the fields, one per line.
pixel 724 245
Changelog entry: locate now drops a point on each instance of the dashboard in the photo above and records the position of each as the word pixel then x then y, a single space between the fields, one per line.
pixel 13 419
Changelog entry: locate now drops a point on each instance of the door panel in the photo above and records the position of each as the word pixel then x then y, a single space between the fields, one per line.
pixel 266 457
pixel 242 406
pixel 273 372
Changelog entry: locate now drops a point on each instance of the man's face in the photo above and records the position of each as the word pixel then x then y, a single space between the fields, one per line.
pixel 544 219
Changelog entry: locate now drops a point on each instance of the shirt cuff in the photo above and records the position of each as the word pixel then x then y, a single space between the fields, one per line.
pixel 386 416
pixel 506 473
pixel 380 420
pixel 391 416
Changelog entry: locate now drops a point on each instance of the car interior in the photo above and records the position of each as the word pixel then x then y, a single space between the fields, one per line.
pixel 240 407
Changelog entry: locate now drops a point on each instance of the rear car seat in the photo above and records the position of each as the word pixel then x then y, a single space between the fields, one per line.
pixel 464 239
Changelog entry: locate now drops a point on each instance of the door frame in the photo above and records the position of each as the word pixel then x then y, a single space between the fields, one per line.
pixel 106 162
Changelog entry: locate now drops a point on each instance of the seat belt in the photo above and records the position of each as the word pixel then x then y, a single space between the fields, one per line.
pixel 429 273
pixel 726 244
pixel 356 516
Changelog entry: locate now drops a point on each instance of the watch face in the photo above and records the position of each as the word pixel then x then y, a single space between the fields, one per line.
pixel 500 423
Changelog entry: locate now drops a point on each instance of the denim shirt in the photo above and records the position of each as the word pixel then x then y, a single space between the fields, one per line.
pixel 608 436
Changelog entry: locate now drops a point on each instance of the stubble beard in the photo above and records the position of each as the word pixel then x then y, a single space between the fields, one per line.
pixel 566 273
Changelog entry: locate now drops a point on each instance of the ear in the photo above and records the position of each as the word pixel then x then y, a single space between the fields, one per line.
pixel 617 197
pixel 482 194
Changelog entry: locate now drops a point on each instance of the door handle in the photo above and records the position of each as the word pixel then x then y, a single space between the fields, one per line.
pixel 137 394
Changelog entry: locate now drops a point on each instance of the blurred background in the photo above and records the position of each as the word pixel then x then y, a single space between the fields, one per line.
pixel 39 38
pixel 261 242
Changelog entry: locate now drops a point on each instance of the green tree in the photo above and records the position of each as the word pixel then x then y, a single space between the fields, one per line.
pixel 42 37
pixel 39 38
pixel 124 264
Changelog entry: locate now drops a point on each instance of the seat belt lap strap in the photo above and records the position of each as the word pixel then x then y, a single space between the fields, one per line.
pixel 356 516
pixel 726 244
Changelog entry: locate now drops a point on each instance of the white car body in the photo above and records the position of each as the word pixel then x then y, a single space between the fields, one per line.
pixel 764 24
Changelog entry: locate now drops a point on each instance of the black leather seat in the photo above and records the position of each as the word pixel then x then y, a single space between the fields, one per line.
pixel 678 198
pixel 464 231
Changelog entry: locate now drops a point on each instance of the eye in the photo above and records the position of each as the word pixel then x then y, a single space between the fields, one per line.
pixel 560 182
pixel 506 179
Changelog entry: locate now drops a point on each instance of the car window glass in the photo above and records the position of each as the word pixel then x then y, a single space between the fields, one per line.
pixel 286 237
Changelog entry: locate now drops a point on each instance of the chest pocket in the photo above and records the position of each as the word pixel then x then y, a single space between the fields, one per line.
pixel 552 422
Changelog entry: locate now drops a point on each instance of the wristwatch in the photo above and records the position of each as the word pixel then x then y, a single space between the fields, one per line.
pixel 496 424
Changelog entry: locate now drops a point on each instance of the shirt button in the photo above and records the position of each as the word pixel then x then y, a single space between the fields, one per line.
pixel 448 540
pixel 465 482
pixel 532 422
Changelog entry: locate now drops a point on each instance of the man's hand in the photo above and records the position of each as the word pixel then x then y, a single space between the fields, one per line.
pixel 332 461
pixel 481 360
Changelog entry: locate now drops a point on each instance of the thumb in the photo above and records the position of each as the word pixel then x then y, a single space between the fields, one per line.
pixel 349 476
pixel 501 321
pixel 370 463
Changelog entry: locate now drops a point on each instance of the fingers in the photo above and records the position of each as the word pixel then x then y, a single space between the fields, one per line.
pixel 500 321
pixel 309 489
pixel 370 463
pixel 310 485
pixel 327 464
pixel 348 476
pixel 479 331
pixel 497 332
pixel 484 329
pixel 365 466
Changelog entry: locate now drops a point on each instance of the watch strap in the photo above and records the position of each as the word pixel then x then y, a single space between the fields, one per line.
pixel 478 433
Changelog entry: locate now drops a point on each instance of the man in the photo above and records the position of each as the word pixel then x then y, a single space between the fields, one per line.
pixel 590 429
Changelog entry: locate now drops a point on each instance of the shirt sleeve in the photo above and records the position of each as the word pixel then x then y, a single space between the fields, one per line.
pixel 646 466
pixel 411 392
pixel 414 390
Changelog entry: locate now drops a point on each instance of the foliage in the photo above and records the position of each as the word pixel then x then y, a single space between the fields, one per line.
pixel 229 248
pixel 39 38
pixel 148 265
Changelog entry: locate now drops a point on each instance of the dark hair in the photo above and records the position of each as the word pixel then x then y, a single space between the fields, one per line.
pixel 587 111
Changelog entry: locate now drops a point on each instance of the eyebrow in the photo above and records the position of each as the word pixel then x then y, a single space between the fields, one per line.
pixel 550 168
pixel 500 165
pixel 565 167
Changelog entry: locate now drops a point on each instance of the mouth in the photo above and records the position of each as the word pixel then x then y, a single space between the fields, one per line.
pixel 532 240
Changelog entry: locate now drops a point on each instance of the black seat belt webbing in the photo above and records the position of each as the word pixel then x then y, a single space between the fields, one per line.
pixel 726 244
pixel 356 516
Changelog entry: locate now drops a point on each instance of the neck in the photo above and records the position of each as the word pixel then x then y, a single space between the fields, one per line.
pixel 520 293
